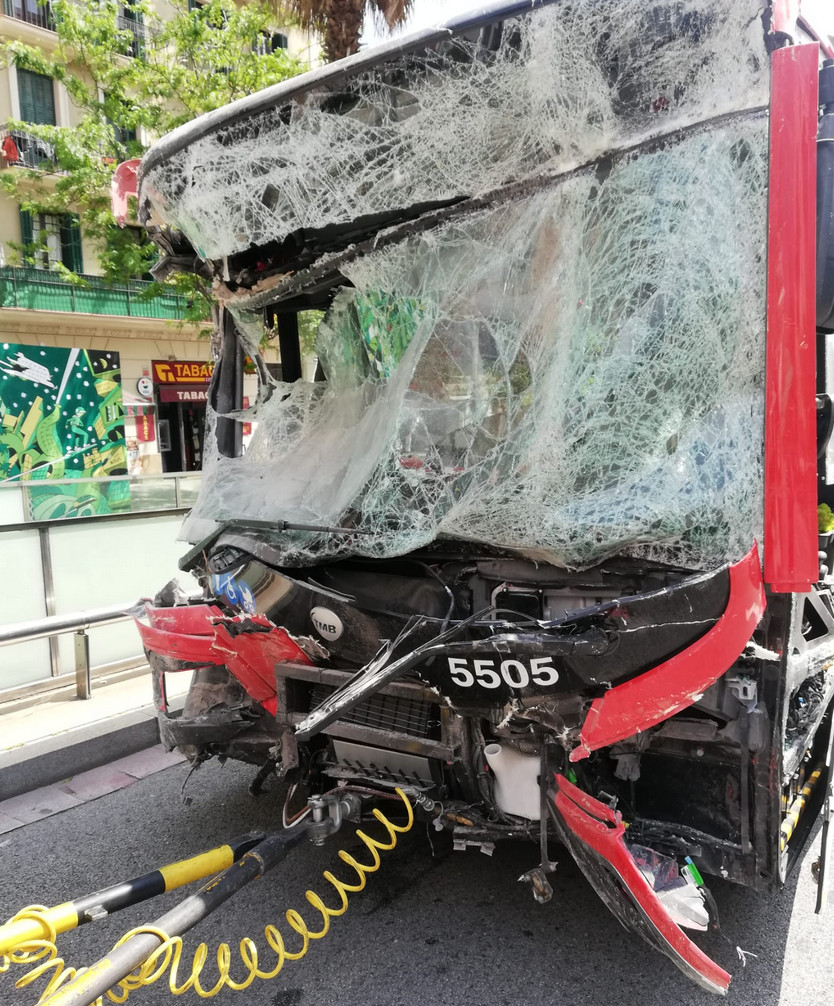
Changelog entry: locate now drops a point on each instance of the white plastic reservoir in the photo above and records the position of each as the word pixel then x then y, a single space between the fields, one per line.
pixel 516 781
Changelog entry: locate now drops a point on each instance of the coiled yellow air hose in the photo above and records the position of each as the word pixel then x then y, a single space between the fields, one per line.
pixel 168 957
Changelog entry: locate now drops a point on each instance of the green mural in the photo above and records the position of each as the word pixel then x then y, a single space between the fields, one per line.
pixel 387 325
pixel 61 417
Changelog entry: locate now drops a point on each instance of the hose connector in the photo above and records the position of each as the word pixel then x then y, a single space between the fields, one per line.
pixel 328 812
pixel 422 800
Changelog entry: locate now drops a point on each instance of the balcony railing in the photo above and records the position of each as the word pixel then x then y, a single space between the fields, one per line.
pixel 41 290
pixel 21 149
pixel 31 12
pixel 136 45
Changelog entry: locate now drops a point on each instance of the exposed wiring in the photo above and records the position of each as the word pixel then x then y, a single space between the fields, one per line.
pixel 449 592
pixel 167 958
pixel 293 820
pixel 367 791
pixel 297 818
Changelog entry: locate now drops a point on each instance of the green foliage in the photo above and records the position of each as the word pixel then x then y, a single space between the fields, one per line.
pixel 825 518
pixel 188 64
pixel 197 296
pixel 308 326
pixel 127 251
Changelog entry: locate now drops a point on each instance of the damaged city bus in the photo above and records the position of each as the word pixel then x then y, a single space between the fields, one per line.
pixel 538 542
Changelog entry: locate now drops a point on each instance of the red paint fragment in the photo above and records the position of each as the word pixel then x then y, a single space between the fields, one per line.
pixel 669 687
pixel 192 619
pixel 252 656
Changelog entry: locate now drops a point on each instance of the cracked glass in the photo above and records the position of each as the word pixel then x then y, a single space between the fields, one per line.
pixel 567 360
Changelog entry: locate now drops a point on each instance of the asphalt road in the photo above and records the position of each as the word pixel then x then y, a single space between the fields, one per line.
pixel 451 929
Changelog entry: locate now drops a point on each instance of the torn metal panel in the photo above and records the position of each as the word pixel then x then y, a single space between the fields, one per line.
pixel 383 669
pixel 675 684
pixel 180 633
pixel 251 654
pixel 595 835
pixel 178 645
pixel 249 647
pixel 191 619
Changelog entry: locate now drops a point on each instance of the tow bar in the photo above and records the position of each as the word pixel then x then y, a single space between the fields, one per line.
pixel 144 954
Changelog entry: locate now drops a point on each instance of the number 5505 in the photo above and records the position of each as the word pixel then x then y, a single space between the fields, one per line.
pixel 488 673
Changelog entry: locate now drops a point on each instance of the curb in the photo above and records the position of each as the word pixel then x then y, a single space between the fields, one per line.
pixel 52 759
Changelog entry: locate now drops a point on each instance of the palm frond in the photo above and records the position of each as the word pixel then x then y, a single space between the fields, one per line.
pixel 309 14
pixel 390 14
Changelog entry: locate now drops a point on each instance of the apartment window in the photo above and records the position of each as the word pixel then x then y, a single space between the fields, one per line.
pixel 123 135
pixel 267 43
pixel 130 19
pixel 203 7
pixel 51 237
pixel 30 11
pixel 37 98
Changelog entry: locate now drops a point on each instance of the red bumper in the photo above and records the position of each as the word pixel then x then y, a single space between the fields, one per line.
pixel 675 684
pixel 249 646
pixel 601 832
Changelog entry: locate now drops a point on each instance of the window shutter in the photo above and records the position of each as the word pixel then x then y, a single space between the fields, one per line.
pixel 26 232
pixel 71 243
pixel 27 96
pixel 37 98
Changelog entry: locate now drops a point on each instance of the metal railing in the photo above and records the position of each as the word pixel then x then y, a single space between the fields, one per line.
pixel 45 627
pixel 136 45
pixel 42 503
pixel 78 622
pixel 21 149
pixel 152 497
pixel 31 12
pixel 42 290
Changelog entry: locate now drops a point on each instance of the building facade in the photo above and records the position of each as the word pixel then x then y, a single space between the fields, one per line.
pixel 164 362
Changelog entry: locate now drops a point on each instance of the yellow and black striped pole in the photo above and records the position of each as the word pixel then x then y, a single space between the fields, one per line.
pixel 94 906
pixel 797 808
pixel 137 946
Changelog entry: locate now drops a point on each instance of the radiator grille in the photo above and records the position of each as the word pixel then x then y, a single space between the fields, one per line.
pixel 383 712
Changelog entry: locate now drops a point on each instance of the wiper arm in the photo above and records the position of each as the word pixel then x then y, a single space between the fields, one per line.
pixel 189 560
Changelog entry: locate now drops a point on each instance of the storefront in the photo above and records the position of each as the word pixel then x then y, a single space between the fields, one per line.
pixel 181 391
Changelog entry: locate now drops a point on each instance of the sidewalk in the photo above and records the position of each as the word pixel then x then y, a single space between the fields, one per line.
pixel 37 804
pixel 66 741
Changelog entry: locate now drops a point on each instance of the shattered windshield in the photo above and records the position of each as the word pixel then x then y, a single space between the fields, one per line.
pixel 569 365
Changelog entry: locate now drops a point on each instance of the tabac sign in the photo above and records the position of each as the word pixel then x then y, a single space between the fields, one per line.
pixel 184 393
pixel 182 371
